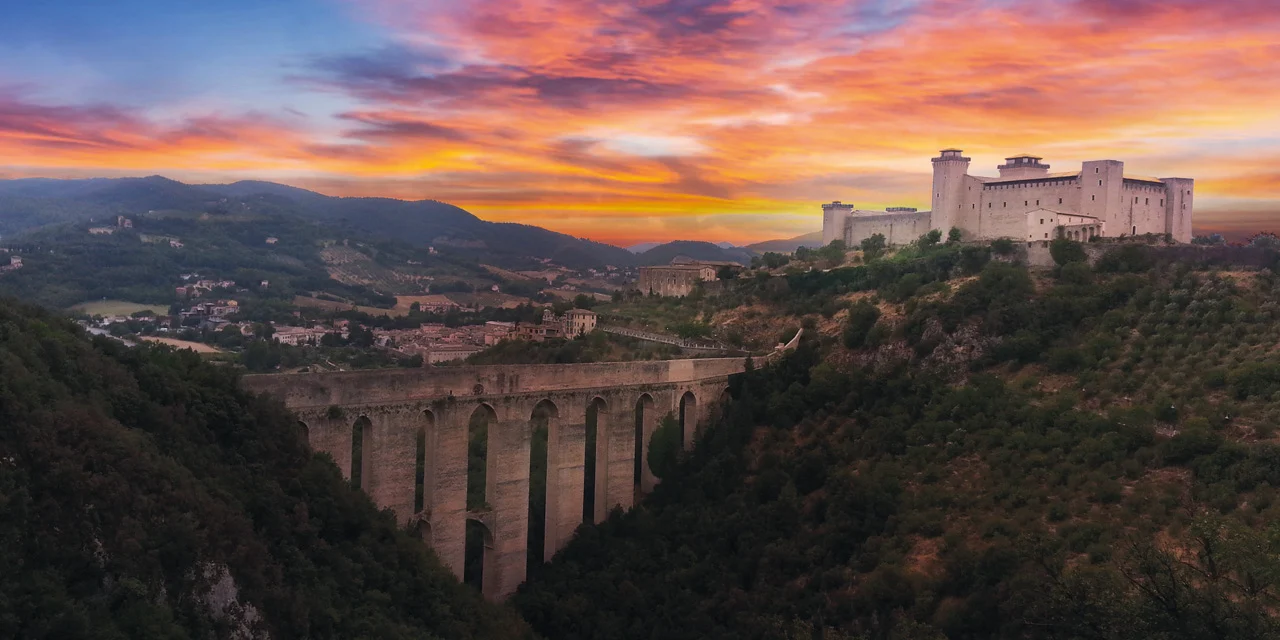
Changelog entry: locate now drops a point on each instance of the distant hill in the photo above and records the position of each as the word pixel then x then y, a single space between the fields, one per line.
pixel 642 247
pixel 30 203
pixel 811 240
pixel 665 253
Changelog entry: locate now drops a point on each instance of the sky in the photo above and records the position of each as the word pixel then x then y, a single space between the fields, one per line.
pixel 627 121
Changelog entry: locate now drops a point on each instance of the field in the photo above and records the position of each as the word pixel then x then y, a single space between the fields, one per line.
pixel 304 301
pixel 183 344
pixel 117 308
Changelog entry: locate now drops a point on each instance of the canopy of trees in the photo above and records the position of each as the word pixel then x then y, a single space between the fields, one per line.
pixel 143 495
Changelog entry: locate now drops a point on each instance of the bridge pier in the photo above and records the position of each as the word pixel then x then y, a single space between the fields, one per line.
pixel 448 506
pixel 509 498
pixel 566 463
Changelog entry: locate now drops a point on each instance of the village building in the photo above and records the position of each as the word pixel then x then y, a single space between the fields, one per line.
pixel 676 279
pixel 578 322
pixel 1027 203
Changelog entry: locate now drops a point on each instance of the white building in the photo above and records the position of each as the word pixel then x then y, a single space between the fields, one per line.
pixel 1027 202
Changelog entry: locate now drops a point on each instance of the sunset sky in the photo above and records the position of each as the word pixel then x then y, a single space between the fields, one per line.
pixel 645 120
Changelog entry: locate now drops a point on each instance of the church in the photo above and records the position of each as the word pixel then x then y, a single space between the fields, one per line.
pixel 1027 203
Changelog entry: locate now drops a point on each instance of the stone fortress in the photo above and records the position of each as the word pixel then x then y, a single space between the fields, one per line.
pixel 1027 203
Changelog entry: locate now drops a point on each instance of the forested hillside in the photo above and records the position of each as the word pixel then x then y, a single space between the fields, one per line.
pixel 978 451
pixel 143 495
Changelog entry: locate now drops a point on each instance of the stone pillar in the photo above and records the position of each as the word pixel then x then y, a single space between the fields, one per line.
pixel 333 436
pixel 621 456
pixel 566 461
pixel 509 455
pixel 448 502
pixel 394 463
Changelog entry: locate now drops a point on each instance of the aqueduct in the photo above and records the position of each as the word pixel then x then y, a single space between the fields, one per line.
pixel 411 429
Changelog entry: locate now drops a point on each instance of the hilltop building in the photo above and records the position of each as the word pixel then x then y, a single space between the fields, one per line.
pixel 680 277
pixel 1028 203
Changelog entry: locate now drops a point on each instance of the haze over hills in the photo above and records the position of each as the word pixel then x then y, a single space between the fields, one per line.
pixel 29 203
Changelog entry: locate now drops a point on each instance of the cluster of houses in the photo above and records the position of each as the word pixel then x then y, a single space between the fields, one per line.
pixel 213 311
pixel 197 287
pixel 574 323
pixel 15 263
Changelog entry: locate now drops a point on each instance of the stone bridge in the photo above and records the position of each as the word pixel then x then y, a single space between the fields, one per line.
pixel 402 420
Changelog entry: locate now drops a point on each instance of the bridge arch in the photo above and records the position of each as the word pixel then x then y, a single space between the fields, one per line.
pixel 361 472
pixel 646 422
pixel 688 418
pixel 544 489
pixel 304 431
pixel 480 568
pixel 425 464
pixel 596 468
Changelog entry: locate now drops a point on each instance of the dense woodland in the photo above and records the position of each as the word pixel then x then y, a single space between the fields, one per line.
pixel 981 452
pixel 143 495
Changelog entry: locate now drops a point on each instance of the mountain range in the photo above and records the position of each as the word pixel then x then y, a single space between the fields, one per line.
pixel 30 203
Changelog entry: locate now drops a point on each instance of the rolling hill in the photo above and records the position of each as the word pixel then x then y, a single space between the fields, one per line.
pixel 665 253
pixel 31 203
pixel 789 245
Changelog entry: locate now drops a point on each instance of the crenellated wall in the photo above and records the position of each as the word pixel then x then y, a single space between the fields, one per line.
pixel 439 403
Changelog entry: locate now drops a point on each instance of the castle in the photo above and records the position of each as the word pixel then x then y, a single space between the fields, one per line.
pixel 1027 203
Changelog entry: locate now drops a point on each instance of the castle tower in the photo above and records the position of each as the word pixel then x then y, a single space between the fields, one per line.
pixel 1023 167
pixel 834 218
pixel 1179 196
pixel 949 171
pixel 1102 196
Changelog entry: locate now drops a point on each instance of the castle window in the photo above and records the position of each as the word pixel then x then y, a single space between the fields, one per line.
pixel 1046 235
pixel 1037 203
pixel 1162 202
pixel 1099 183
pixel 1135 230
pixel 1059 200
pixel 1146 201
pixel 1095 169
pixel 1025 202
pixel 1004 204
pixel 1093 198
pixel 1041 220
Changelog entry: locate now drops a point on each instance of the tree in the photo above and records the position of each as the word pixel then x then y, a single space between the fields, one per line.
pixel 873 244
pixel 862 317
pixel 583 301
pixel 1002 247
pixel 775 260
pixel 954 236
pixel 727 272
pixel 664 447
pixel 1065 251
pixel 930 239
